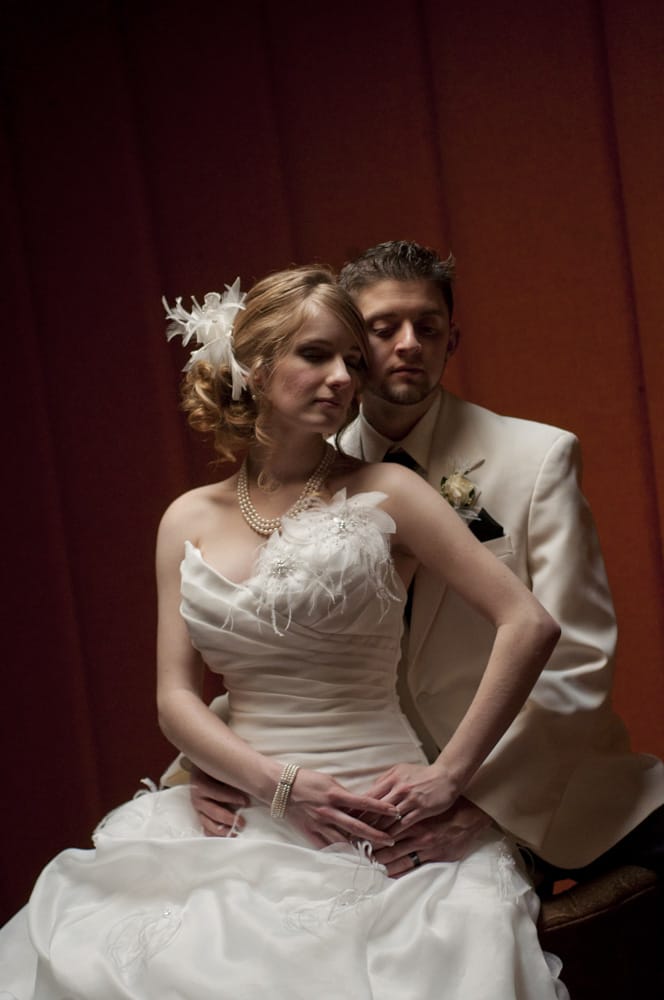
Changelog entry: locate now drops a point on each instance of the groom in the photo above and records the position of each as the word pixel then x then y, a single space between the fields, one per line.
pixel 562 780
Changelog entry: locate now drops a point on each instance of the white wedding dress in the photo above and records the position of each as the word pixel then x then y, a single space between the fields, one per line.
pixel 308 647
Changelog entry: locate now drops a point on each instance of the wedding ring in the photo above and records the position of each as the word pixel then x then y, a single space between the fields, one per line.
pixel 415 858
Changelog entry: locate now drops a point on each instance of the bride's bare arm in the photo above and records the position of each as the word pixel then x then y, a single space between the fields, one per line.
pixel 318 804
pixel 434 535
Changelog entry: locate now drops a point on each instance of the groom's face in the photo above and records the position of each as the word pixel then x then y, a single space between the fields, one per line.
pixel 410 337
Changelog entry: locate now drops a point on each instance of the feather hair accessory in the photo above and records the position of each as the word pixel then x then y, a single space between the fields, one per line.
pixel 211 326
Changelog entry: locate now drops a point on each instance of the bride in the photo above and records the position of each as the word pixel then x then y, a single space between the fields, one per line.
pixel 288 580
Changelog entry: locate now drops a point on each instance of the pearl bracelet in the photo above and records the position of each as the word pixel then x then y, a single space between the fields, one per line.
pixel 283 790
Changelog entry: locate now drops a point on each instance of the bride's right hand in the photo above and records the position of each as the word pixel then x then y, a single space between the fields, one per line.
pixel 216 804
pixel 321 808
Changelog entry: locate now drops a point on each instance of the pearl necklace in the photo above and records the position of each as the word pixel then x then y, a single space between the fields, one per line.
pixel 268 525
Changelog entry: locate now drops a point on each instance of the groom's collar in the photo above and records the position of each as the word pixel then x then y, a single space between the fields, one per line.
pixel 417 442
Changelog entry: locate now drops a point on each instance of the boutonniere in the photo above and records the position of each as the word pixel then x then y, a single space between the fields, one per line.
pixel 460 491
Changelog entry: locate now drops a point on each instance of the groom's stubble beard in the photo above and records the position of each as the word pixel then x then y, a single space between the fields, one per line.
pixel 401 395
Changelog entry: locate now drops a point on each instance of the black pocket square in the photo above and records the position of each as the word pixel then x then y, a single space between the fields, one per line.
pixel 485 528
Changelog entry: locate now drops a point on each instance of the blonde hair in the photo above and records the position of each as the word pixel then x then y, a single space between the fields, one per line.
pixel 276 309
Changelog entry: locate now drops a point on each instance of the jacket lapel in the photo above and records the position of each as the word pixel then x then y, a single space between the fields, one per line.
pixel 453 440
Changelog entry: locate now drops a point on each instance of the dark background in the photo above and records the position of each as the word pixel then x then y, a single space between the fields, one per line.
pixel 154 148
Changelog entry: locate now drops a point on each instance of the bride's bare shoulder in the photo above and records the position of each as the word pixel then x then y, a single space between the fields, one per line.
pixel 358 476
pixel 200 503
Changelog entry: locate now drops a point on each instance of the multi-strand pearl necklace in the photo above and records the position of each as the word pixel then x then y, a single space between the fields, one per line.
pixel 268 525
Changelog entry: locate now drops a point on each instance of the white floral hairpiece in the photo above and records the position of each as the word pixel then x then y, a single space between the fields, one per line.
pixel 211 325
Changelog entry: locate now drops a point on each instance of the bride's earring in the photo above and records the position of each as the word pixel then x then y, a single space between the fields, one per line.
pixel 254 384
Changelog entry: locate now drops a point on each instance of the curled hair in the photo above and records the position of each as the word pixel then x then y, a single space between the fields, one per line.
pixel 275 310
pixel 400 260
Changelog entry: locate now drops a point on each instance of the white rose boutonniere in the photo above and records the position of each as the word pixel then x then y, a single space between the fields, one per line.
pixel 459 491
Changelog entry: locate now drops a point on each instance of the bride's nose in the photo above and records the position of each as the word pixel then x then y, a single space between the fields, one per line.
pixel 338 373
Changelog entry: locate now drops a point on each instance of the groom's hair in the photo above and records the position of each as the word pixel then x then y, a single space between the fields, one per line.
pixel 400 260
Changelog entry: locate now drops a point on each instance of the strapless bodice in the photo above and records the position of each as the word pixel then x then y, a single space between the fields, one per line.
pixel 311 641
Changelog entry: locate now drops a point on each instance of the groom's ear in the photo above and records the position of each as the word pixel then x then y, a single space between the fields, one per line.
pixel 453 340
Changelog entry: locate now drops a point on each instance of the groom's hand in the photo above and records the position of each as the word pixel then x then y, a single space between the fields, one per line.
pixel 446 837
pixel 216 804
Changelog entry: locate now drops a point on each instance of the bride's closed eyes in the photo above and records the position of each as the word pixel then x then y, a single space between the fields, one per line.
pixel 319 354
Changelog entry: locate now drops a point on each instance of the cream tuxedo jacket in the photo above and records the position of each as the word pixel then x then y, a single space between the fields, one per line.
pixel 562 780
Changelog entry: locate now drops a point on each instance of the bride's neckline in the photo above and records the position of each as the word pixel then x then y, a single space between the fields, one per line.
pixel 239 584
pixel 244 583
pixel 266 526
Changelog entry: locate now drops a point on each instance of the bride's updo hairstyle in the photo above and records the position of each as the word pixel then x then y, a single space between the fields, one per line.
pixel 275 310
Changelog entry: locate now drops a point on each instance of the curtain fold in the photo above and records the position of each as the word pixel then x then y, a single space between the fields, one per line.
pixel 164 148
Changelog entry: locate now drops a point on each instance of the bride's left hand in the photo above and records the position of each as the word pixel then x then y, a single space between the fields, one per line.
pixel 417 790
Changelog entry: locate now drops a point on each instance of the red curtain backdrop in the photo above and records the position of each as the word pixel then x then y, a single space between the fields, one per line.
pixel 165 148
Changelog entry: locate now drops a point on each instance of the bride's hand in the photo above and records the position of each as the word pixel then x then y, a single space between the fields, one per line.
pixel 321 808
pixel 417 790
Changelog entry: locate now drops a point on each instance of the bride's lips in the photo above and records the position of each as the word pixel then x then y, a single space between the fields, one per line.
pixel 333 404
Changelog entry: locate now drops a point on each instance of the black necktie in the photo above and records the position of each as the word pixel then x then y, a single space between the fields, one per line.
pixel 401 457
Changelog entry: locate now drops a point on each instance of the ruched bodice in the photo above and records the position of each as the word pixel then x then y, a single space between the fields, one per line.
pixel 309 644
